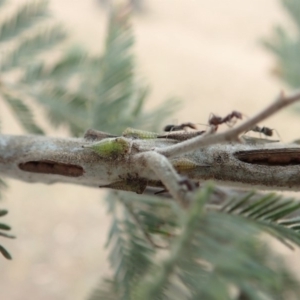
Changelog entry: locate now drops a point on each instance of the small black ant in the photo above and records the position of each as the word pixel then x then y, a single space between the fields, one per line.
pixel 182 126
pixel 264 130
pixel 213 120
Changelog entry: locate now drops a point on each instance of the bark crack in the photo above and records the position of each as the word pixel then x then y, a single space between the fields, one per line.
pixel 52 167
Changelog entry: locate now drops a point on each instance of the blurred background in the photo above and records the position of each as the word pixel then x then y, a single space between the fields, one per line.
pixel 207 53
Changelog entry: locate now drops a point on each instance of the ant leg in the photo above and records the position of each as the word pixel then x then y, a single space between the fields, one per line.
pixel 277 134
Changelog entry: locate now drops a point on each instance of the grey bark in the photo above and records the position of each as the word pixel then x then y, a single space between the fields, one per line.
pixel 49 160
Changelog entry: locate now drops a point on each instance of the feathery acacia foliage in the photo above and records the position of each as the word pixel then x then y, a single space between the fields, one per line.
pixel 32 45
pixel 24 18
pixel 2 187
pixel 207 254
pixel 286 46
pixel 23 113
pixel 27 39
pixel 157 250
pixel 78 91
pixel 130 254
pixel 4 227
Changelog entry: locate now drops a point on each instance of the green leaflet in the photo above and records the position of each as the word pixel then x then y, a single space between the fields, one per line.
pixel 286 46
pixel 65 108
pixel 268 212
pixel 72 62
pixel 130 254
pixel 154 289
pixel 32 46
pixel 214 251
pixel 227 240
pixel 24 18
pixel 22 113
pixel 106 290
pixel 3 186
pixel 293 8
pixel 21 27
pixel 106 94
pixel 5 227
pixel 5 253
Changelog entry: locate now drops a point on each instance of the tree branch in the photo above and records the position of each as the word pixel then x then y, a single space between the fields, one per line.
pixel 50 160
pixel 151 162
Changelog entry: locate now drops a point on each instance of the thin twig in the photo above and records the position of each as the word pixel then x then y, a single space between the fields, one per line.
pixel 167 174
pixel 231 134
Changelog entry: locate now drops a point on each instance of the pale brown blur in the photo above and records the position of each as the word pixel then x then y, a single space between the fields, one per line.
pixel 207 53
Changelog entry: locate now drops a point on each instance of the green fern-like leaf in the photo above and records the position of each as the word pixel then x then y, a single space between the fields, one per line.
pixel 116 86
pixel 157 218
pixel 65 108
pixel 5 227
pixel 105 291
pixel 5 253
pixel 268 212
pixel 130 255
pixel 32 46
pixel 26 48
pixel 60 72
pixel 120 98
pixel 23 113
pixel 161 277
pixel 214 252
pixel 293 8
pixel 110 98
pixel 26 17
pixel 286 46
pixel 3 186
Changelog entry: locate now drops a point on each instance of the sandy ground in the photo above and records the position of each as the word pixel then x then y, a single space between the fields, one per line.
pixel 207 53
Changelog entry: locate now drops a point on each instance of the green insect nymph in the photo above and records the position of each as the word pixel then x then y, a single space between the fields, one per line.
pixel 111 148
pixel 139 134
